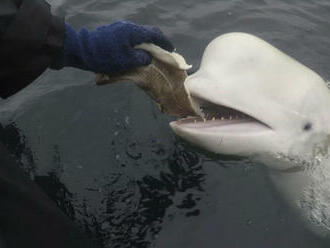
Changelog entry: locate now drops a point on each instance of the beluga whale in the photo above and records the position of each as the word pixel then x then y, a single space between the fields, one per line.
pixel 250 99
pixel 255 101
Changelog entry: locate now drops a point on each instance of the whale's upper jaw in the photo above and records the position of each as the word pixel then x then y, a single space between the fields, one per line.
pixel 220 118
pixel 262 100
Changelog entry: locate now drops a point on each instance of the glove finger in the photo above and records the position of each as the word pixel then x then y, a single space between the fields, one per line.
pixel 157 37
pixel 142 57
pixel 153 29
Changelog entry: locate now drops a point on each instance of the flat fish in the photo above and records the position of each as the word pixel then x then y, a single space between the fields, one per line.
pixel 163 80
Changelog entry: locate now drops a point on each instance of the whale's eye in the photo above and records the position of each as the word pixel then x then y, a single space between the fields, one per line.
pixel 307 126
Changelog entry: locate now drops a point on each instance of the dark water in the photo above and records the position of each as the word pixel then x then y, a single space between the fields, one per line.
pixel 109 160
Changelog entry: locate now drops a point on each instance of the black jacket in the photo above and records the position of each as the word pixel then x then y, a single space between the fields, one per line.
pixel 30 41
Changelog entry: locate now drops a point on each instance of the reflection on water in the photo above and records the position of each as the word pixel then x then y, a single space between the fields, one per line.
pixel 134 213
pixel 11 137
pixel 134 209
pixel 57 192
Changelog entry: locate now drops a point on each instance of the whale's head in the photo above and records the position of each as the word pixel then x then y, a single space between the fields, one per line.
pixel 253 100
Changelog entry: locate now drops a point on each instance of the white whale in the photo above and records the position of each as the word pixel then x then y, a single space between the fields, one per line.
pixel 269 107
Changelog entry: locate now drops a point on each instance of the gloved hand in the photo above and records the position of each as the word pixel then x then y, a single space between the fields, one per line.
pixel 110 48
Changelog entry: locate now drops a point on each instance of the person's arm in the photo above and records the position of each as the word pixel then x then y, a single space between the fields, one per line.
pixel 30 39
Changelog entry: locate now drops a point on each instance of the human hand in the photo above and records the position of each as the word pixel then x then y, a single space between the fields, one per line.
pixel 110 48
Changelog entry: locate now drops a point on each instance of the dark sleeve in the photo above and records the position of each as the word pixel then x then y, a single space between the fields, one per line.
pixel 30 41
pixel 28 218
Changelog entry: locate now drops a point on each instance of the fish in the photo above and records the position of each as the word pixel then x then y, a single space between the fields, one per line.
pixel 163 80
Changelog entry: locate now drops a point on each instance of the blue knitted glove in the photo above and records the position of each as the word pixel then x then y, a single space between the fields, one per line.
pixel 110 48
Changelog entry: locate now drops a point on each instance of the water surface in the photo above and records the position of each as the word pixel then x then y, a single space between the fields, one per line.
pixel 109 160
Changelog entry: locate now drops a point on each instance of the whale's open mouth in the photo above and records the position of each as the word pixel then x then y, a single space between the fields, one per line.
pixel 213 115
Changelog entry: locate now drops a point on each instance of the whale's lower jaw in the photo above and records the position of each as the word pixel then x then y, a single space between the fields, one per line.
pixel 235 126
pixel 223 129
pixel 232 137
